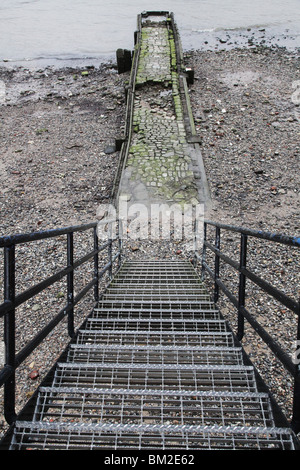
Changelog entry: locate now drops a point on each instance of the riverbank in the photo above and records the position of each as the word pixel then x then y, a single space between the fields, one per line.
pixel 245 109
pixel 58 160
pixel 58 130
pixel 59 126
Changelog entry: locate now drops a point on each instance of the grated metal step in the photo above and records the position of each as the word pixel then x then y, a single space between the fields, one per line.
pixel 68 436
pixel 155 297
pixel 155 313
pixel 155 355
pixel 159 290
pixel 182 304
pixel 145 280
pixel 157 338
pixel 156 325
pixel 154 367
pixel 153 407
pixel 166 376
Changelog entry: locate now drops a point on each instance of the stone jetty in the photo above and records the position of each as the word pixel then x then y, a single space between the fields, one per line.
pixel 161 160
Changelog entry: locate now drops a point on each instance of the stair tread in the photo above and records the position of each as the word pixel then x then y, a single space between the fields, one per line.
pixel 159 355
pixel 213 367
pixel 123 406
pixel 154 348
pixel 155 436
pixel 150 428
pixel 140 332
pixel 138 337
pixel 126 324
pixel 155 392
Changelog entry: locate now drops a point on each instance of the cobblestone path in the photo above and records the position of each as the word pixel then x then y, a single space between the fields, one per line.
pixel 161 163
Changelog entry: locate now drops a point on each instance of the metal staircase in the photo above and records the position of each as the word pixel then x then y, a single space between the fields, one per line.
pixel 155 366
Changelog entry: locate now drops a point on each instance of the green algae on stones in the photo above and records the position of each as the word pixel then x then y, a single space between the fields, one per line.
pixel 157 153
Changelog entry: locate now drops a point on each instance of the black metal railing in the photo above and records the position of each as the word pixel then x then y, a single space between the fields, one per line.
pixel 13 359
pixel 239 300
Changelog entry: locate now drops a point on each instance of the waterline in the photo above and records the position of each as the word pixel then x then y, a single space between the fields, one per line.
pixel 71 30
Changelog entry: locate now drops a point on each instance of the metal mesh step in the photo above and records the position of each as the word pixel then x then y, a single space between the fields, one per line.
pixel 158 289
pixel 182 304
pixel 152 376
pixel 37 436
pixel 144 269
pixel 156 325
pixel 157 338
pixel 171 265
pixel 155 297
pixel 156 313
pixel 157 274
pixel 143 407
pixel 170 279
pixel 154 273
pixel 155 355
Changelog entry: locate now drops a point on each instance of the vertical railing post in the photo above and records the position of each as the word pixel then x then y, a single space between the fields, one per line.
pixel 96 265
pixel 70 283
pixel 110 258
pixel 110 251
pixel 120 241
pixel 217 264
pixel 196 241
pixel 204 251
pixel 295 423
pixel 10 333
pixel 242 286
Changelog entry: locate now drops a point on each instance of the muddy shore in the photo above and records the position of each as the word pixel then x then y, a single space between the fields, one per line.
pixel 58 130
pixel 58 157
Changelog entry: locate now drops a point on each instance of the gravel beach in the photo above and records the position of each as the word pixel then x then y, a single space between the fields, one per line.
pixel 58 162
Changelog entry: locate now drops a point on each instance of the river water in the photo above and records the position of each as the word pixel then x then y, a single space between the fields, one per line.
pixel 62 31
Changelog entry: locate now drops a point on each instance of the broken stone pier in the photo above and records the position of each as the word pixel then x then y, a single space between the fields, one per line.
pixel 161 160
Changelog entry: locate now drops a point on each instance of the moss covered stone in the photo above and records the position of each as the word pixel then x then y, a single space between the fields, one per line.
pixel 157 154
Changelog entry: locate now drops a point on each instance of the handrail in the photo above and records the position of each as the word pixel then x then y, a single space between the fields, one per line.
pixel 274 237
pixel 239 301
pixel 14 359
pixel 16 239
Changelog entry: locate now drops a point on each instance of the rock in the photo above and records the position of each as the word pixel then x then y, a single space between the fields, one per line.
pixel 134 248
pixel 36 307
pixel 111 148
pixel 34 374
pixel 123 60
